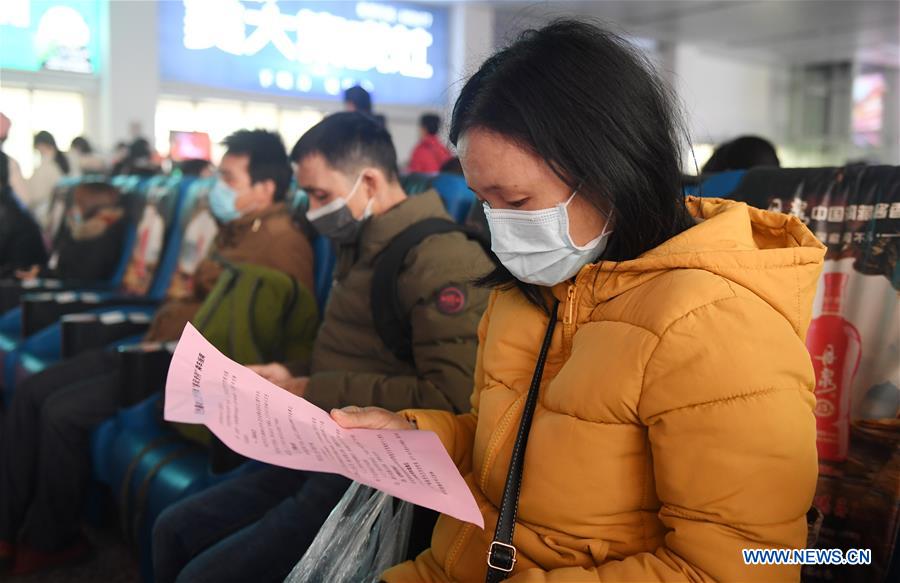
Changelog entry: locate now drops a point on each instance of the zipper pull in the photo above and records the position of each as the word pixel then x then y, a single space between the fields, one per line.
pixel 569 318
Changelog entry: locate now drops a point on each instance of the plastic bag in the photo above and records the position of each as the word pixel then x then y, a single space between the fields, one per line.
pixel 365 534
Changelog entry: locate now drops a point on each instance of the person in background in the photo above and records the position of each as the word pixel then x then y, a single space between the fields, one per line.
pixel 83 158
pixel 119 153
pixel 358 99
pixel 89 247
pixel 673 425
pixel 742 154
pixel 14 172
pixel 45 445
pixel 53 166
pixel 21 243
pixel 429 154
pixel 138 161
pixel 255 527
pixel 196 167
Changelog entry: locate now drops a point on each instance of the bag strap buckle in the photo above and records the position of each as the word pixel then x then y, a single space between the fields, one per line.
pixel 492 558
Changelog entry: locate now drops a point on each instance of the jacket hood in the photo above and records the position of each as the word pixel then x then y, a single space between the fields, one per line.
pixel 774 255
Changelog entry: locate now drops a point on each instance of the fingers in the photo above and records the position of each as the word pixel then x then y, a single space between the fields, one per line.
pixel 265 370
pixel 368 418
pixel 261 371
pixel 352 417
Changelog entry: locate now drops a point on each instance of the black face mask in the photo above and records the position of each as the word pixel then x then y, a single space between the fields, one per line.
pixel 338 224
pixel 335 221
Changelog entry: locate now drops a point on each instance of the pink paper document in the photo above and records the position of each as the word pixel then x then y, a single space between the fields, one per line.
pixel 264 422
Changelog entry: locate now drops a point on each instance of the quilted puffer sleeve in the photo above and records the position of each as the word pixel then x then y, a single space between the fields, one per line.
pixel 727 401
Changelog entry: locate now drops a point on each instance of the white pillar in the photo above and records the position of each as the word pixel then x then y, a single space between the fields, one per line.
pixel 725 97
pixel 129 70
pixel 472 41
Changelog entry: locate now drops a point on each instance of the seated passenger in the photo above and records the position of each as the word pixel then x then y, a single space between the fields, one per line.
pixel 255 527
pixel 673 424
pixel 44 450
pixel 83 158
pixel 742 153
pixel 21 243
pixel 196 167
pixel 90 244
pixel 138 161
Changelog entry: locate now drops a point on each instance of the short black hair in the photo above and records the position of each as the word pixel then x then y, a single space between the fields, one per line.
pixel 193 166
pixel 348 141
pixel 140 148
pixel 360 99
pixel 742 153
pixel 81 144
pixel 268 157
pixel 431 122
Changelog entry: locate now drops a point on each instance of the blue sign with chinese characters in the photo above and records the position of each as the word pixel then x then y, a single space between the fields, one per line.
pixel 397 51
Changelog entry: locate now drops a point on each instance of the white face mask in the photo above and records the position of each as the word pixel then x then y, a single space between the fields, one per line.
pixel 536 247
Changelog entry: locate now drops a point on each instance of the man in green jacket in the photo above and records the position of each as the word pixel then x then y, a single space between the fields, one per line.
pixel 348 167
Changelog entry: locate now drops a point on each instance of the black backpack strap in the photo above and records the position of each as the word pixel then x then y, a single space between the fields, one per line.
pixel 391 321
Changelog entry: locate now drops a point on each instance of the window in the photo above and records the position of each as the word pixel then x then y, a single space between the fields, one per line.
pixel 172 115
pixel 294 124
pixel 261 116
pixel 59 112
pixel 219 118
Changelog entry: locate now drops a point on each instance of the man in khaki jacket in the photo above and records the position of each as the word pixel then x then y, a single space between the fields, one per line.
pixel 348 167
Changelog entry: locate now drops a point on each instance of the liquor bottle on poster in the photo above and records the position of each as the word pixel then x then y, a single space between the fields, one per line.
pixel 835 347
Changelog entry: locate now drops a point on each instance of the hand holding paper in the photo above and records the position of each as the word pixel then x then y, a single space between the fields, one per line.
pixel 370 418
pixel 264 422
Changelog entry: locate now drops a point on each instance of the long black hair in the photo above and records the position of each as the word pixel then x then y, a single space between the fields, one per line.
pixel 588 103
pixel 46 138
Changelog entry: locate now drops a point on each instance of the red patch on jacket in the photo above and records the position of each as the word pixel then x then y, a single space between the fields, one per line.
pixel 451 300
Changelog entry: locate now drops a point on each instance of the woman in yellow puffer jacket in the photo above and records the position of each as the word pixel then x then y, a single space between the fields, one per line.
pixel 674 420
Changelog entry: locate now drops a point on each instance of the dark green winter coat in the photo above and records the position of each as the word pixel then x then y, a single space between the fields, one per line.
pixel 350 363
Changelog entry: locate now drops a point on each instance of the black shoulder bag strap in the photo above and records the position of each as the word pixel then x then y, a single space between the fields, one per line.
pixel 391 322
pixel 4 171
pixel 501 557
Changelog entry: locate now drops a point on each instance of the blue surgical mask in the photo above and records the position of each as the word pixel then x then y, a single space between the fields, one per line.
pixel 221 202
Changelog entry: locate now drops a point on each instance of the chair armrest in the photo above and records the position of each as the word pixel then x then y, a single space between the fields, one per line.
pixel 12 290
pixel 144 370
pixel 86 331
pixel 45 308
